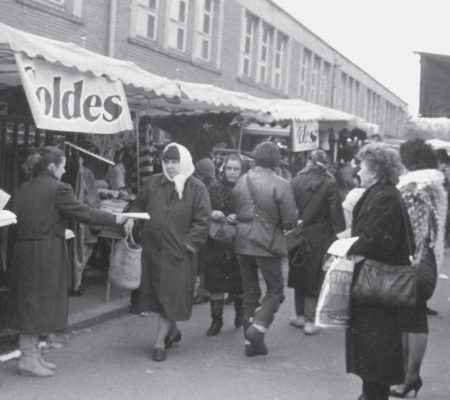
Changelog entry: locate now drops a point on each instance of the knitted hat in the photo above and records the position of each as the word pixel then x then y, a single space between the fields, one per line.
pixel 205 169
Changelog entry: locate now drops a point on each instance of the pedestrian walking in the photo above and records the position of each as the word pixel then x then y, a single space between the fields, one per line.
pixel 426 202
pixel 265 206
pixel 39 264
pixel 222 274
pixel 319 207
pixel 374 337
pixel 180 210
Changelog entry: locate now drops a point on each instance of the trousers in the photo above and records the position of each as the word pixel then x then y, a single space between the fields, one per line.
pixel 261 311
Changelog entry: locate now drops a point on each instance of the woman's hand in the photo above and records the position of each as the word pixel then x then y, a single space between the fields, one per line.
pixel 231 219
pixel 217 215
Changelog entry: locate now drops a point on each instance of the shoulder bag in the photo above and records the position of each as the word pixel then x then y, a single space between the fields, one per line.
pixel 382 284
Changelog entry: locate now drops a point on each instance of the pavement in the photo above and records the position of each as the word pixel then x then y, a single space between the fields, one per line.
pixel 112 361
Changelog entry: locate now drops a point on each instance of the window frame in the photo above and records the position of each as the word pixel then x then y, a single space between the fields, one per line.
pixel 281 54
pixel 250 21
pixel 305 66
pixel 148 11
pixel 202 36
pixel 264 46
pixel 315 75
pixel 174 24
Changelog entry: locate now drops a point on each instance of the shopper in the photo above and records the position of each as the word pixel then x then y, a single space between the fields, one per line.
pixel 39 263
pixel 222 274
pixel 426 201
pixel 319 207
pixel 373 339
pixel 265 206
pixel 180 211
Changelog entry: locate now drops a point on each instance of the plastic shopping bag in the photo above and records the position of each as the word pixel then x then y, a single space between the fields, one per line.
pixel 333 308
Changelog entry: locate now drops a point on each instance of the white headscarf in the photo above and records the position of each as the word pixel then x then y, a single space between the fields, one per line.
pixel 186 168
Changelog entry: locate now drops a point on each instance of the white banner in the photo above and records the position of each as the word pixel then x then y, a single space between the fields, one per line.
pixel 65 99
pixel 305 135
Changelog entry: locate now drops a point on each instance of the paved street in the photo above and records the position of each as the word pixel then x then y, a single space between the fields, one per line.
pixel 113 361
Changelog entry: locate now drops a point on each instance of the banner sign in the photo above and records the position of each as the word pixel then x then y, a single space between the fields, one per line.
pixel 305 135
pixel 65 99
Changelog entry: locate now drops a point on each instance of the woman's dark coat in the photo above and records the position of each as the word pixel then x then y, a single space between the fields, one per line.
pixel 322 220
pixel 222 273
pixel 168 269
pixel 373 339
pixel 39 264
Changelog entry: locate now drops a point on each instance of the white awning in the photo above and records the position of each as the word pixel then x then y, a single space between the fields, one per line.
pixel 72 56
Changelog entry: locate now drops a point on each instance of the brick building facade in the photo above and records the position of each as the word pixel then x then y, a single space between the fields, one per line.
pixel 251 46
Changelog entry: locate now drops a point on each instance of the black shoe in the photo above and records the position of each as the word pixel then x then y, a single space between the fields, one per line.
pixel 256 339
pixel 169 341
pixel 215 328
pixel 76 293
pixel 431 311
pixel 201 299
pixel 409 387
pixel 159 354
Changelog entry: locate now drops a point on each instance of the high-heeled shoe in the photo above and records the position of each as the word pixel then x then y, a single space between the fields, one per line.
pixel 410 386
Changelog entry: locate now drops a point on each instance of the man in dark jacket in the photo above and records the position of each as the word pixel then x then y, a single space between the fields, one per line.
pixel 265 207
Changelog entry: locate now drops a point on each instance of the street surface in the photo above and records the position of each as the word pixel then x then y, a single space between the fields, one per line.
pixel 112 361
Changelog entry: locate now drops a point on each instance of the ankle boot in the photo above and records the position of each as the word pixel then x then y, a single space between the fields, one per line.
pixel 29 364
pixel 217 318
pixel 239 313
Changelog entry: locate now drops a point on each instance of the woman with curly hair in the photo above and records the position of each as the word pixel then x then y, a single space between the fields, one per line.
pixel 426 201
pixel 374 337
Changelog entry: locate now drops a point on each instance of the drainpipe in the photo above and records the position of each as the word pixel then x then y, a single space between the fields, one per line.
pixel 112 27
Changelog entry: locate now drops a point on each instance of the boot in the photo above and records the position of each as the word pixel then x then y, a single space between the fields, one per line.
pixel 29 363
pixel 239 313
pixel 217 320
pixel 46 364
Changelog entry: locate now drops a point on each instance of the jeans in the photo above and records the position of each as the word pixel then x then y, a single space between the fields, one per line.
pixel 261 314
pixel 305 305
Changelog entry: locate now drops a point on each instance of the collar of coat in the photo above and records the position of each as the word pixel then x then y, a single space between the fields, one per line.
pixel 422 178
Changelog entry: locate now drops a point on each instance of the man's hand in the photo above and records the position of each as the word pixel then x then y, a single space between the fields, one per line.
pixel 217 215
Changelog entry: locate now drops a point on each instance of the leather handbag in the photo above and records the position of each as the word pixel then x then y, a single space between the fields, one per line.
pixel 382 284
pixel 222 231
pixel 125 269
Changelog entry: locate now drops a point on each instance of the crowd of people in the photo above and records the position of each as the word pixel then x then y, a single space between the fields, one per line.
pixel 233 228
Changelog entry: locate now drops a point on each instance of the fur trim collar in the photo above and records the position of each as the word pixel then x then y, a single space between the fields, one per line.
pixel 422 177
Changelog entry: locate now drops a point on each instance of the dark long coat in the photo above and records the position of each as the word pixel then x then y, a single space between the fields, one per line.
pixel 168 269
pixel 320 226
pixel 222 273
pixel 373 339
pixel 39 263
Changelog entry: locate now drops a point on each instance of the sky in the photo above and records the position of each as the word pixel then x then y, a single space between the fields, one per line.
pixel 380 36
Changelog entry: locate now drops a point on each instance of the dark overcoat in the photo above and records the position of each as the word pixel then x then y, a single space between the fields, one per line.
pixel 321 223
pixel 222 273
pixel 39 263
pixel 168 269
pixel 373 339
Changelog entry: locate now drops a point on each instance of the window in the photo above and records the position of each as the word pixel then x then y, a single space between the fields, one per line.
pixel 178 24
pixel 204 30
pixel 343 92
pixel 304 72
pixel 146 19
pixel 315 79
pixel 325 84
pixel 247 46
pixel 70 8
pixel 280 54
pixel 350 103
pixel 357 109
pixel 263 58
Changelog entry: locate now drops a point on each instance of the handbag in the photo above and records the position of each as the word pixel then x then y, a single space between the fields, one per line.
pixel 222 231
pixel 126 269
pixel 383 284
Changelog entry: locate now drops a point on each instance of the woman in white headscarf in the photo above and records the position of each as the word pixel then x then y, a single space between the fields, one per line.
pixel 179 208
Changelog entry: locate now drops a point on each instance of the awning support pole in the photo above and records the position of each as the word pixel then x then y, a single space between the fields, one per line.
pixel 137 151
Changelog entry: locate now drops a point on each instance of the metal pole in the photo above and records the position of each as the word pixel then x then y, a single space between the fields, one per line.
pixel 241 133
pixel 137 151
